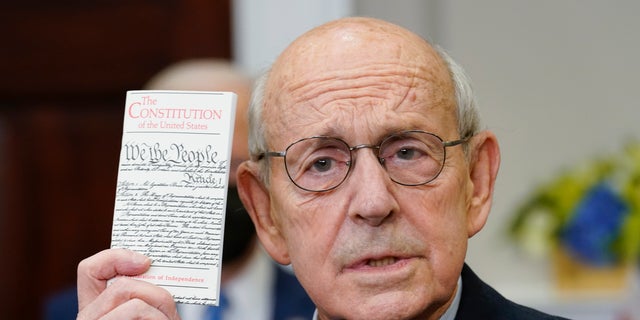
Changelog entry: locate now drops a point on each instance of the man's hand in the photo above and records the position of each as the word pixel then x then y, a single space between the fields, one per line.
pixel 125 298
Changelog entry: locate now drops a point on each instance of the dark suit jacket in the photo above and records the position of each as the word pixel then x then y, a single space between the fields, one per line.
pixel 480 301
pixel 291 301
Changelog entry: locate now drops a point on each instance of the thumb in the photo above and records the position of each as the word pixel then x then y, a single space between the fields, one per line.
pixel 95 271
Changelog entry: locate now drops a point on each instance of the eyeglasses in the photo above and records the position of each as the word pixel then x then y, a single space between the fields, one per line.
pixel 322 163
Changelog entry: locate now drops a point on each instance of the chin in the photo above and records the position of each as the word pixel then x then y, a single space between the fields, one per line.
pixel 404 305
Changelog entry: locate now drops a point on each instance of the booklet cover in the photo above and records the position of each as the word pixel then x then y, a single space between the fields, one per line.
pixel 172 186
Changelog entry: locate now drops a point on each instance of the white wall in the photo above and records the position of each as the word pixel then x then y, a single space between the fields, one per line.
pixel 557 81
pixel 263 28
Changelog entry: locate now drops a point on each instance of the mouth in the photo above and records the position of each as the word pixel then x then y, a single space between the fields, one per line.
pixel 377 263
pixel 382 271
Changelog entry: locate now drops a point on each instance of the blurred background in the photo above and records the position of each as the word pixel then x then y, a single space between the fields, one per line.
pixel 556 81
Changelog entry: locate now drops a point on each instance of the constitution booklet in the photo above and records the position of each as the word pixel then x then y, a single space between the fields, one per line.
pixel 172 186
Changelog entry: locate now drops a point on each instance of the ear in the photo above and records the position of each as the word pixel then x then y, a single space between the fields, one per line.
pixel 257 201
pixel 484 162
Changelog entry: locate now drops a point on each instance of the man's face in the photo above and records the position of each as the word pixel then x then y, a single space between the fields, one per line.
pixel 371 248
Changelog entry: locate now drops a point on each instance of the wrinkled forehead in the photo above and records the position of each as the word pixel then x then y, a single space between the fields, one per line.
pixel 349 43
pixel 350 55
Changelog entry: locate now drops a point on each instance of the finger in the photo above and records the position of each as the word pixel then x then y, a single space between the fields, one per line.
pixel 94 271
pixel 122 292
pixel 135 309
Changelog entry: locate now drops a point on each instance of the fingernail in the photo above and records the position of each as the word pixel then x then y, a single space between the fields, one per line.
pixel 139 258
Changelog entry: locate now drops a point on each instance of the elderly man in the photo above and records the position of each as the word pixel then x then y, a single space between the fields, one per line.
pixel 369 174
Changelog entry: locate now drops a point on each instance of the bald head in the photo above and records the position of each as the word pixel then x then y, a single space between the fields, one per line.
pixel 341 53
pixel 356 41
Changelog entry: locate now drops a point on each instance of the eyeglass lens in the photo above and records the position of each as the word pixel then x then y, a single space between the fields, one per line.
pixel 323 163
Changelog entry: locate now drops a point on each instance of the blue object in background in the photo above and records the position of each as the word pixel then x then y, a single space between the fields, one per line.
pixel 595 225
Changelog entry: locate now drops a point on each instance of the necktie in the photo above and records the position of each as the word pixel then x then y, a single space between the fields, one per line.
pixel 216 313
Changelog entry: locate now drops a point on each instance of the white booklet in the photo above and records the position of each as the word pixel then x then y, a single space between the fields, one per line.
pixel 172 186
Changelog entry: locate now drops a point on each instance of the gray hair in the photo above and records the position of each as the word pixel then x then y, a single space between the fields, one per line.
pixel 468 115
pixel 467 111
pixel 257 132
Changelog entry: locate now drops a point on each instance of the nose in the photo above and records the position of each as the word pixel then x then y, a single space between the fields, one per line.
pixel 372 200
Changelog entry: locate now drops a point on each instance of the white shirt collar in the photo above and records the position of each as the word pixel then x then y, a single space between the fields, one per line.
pixel 451 312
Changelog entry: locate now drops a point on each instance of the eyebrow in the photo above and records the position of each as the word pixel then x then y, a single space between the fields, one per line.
pixel 332 131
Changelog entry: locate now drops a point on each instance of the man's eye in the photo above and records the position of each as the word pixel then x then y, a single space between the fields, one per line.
pixel 407 154
pixel 322 165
